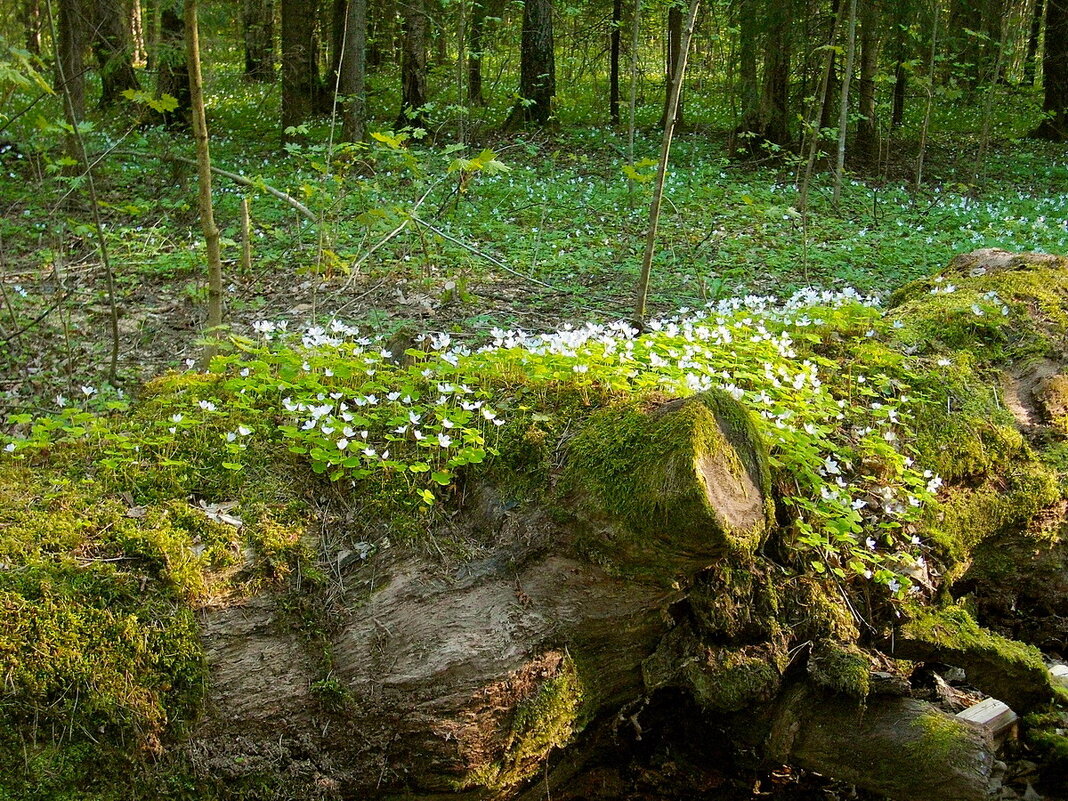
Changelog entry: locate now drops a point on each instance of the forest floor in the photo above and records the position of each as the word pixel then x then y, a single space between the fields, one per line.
pixel 546 229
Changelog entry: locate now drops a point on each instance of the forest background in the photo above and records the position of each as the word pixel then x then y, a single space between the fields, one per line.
pixel 453 165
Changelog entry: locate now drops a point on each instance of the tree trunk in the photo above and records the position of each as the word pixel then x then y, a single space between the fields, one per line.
pixel 413 66
pixel 475 53
pixel 258 25
pixel 353 70
pixel 173 78
pixel 613 61
pixel 775 96
pixel 674 41
pixel 1031 59
pixel 112 47
pixel 1055 74
pixel 867 129
pixel 748 92
pixel 204 201
pixel 843 112
pixel 137 33
pixel 300 71
pixel 537 69
pixel 31 21
pixel 73 38
pixel 897 110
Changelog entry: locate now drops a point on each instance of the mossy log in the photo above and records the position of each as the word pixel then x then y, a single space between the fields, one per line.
pixel 464 680
pixel 901 748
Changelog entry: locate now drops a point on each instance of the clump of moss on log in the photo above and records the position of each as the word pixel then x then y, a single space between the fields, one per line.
pixel 670 487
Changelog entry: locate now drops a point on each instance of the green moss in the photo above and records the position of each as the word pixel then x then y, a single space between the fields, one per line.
pixel 841 668
pixel 1004 668
pixel 545 720
pixel 1008 500
pixel 737 601
pixel 815 611
pixel 732 679
pixel 938 740
pixel 639 475
pixel 99 649
pixel 1035 295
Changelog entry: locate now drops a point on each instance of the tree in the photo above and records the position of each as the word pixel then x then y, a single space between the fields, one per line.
pixel 1055 74
pixel 31 21
pixel 257 20
pixel 200 137
pixel 173 69
pixel 413 65
pixel 1031 58
pixel 112 44
pixel 301 85
pixel 352 69
pixel 537 66
pixel 73 36
pixel 613 61
pixel 867 129
pixel 672 55
pixel 474 52
pixel 774 117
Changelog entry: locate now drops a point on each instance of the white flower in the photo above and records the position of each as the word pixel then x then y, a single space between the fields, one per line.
pixel 447 423
pixel 88 391
pixel 61 401
pixel 230 436
pixel 444 440
pixel 245 372
pixel 418 434
pixel 944 362
pixel 870 543
pixel 206 405
pixel 893 585
pixel 488 413
pixel 342 444
pixel 369 451
pixel 244 431
pixel 10 447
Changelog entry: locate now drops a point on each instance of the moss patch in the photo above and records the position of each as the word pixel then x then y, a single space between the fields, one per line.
pixel 1006 669
pixel 649 481
pixel 840 668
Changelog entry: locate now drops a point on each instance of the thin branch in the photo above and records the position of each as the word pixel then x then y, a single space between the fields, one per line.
pixel 240 180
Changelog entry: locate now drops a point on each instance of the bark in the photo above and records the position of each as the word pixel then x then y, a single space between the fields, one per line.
pixel 897 111
pixel 73 37
pixel 774 99
pixel 867 129
pixel 748 91
pixel 674 42
pixel 173 77
pixel 137 32
pixel 843 112
pixel 112 44
pixel 613 61
pixel 301 87
pixel 204 200
pixel 1031 58
pixel 257 20
pixel 1055 74
pixel 31 20
pixel 353 68
pixel 537 69
pixel 413 66
pixel 475 53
